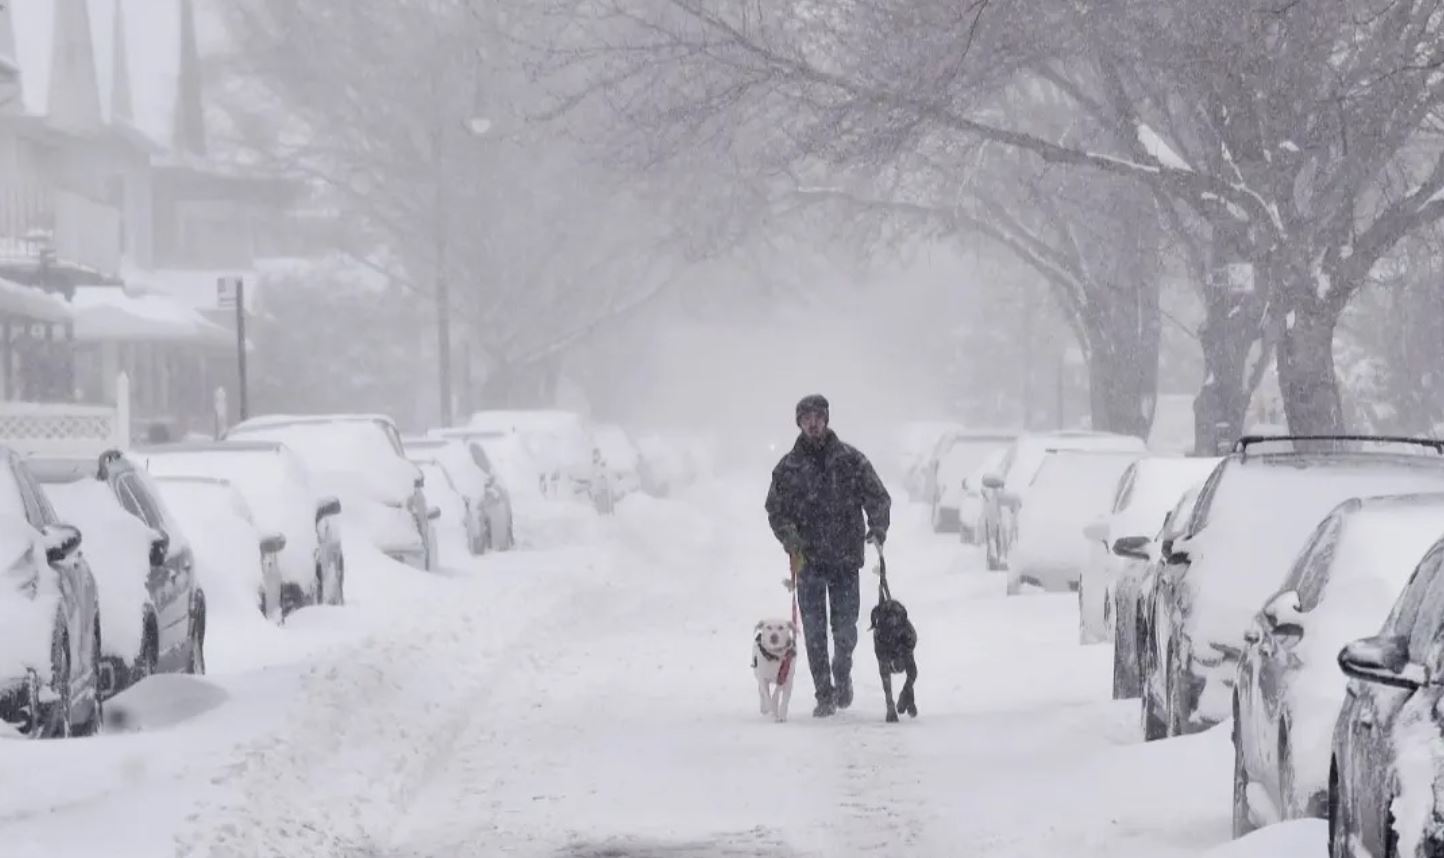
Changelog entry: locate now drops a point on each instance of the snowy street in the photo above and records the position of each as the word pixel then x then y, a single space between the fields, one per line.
pixel 591 695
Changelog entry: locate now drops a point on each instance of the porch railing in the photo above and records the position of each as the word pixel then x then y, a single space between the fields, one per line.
pixel 80 230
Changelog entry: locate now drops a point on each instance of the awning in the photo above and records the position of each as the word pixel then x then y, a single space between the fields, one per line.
pixel 110 314
pixel 27 302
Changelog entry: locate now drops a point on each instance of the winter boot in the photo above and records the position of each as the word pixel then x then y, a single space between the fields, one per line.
pixel 844 694
pixel 825 707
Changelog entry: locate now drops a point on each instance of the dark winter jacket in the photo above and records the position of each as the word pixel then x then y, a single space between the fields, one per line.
pixel 817 499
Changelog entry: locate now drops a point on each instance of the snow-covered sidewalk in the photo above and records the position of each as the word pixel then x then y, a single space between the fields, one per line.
pixel 592 696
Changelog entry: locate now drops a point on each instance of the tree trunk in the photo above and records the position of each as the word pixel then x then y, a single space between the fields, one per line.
pixel 1123 363
pixel 1307 381
pixel 1228 334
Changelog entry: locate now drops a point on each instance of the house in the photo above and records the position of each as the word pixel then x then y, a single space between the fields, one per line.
pixel 111 200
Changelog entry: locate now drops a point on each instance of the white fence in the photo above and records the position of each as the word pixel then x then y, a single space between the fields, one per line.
pixel 65 429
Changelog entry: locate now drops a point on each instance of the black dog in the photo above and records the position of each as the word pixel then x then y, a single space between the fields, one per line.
pixel 894 639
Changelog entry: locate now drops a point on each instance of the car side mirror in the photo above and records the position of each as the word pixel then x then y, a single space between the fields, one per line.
pixel 1096 532
pixel 61 541
pixel 159 549
pixel 1383 660
pixel 1176 551
pixel 993 481
pixel 1132 547
pixel 273 543
pixel 1283 614
pixel 434 513
pixel 328 507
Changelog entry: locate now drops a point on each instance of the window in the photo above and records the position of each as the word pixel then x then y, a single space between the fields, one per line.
pixel 1124 495
pixel 1310 574
pixel 1428 619
pixel 1401 618
pixel 478 455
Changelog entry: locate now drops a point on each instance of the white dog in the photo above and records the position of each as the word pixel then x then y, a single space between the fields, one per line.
pixel 774 645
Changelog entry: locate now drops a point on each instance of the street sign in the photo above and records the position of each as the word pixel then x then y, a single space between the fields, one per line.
pixel 228 291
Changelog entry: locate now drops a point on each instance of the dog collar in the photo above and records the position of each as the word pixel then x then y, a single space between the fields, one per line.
pixel 769 655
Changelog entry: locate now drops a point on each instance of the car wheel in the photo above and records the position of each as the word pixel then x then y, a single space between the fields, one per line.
pixel 340 588
pixel 53 720
pixel 1242 814
pixel 1154 727
pixel 1125 684
pixel 1177 706
pixel 93 724
pixel 196 660
pixel 1289 805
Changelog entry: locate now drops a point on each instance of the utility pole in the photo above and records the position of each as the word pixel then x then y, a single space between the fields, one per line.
pixel 232 291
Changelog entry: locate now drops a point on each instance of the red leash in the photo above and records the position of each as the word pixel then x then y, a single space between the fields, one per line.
pixel 784 670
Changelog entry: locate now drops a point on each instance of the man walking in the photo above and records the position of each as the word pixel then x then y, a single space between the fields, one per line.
pixel 819 493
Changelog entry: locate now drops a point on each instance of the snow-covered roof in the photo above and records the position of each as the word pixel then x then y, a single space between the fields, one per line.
pixel 192 288
pixel 32 303
pixel 136 43
pixel 107 313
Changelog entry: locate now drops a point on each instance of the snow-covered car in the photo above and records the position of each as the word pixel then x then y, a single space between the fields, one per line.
pixel 455 507
pixel 620 458
pixel 1005 490
pixel 1071 489
pixel 360 459
pixel 1256 511
pixel 1288 691
pixel 958 456
pixel 916 442
pixel 1148 489
pixel 560 444
pixel 1386 776
pixel 153 606
pixel 49 616
pixel 500 462
pixel 972 514
pixel 236 562
pixel 285 500
pixel 471 471
pixel 1134 639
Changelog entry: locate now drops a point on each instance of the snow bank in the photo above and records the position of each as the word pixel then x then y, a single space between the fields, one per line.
pixel 1241 556
pixel 1378 546
pixel 1287 839
pixel 117 546
pixel 161 700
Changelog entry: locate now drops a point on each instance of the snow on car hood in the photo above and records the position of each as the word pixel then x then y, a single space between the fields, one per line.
pixel 352 459
pixel 1157 487
pixel 116 544
pixel 1376 552
pixel 1031 450
pixel 1259 520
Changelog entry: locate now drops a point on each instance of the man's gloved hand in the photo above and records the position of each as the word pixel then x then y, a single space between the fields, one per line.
pixel 877 536
pixel 790 584
pixel 791 541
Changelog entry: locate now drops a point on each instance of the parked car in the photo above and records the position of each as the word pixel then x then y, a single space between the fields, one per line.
pixel 1288 691
pixel 455 507
pixel 493 473
pixel 1228 562
pixel 1385 797
pixel 972 515
pixel 1134 639
pixel 621 459
pixel 916 443
pixel 360 459
pixel 958 454
pixel 1005 490
pixel 1148 489
pixel 1071 489
pixel 560 444
pixel 285 499
pixel 154 606
pixel 488 506
pixel 50 634
pixel 234 557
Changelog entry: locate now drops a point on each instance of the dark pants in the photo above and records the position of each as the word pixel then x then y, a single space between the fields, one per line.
pixel 817 587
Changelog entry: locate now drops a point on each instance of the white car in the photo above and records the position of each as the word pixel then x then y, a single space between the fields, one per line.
pixel 472 472
pixel 958 455
pixel 1005 490
pixel 454 507
pixel 560 444
pixel 972 510
pixel 239 565
pixel 916 442
pixel 1148 489
pixel 1071 489
pixel 285 500
pixel 360 459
